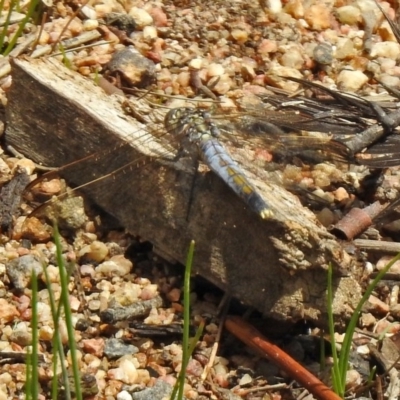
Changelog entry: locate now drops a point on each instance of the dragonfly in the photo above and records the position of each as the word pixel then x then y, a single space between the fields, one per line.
pixel 340 127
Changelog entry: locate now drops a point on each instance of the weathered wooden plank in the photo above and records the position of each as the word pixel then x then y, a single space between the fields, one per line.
pixel 55 116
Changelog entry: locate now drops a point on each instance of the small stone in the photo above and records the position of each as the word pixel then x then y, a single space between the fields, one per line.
pixel 51 187
pixel 121 21
pixel 341 194
pixel 69 213
pixel 385 49
pixel 222 85
pixel 5 378
pixel 292 59
pixel 52 273
pixel 215 70
pixel 395 311
pixel 46 333
pixel 384 261
pixel 351 81
pixel 386 32
pixel 132 67
pixel 124 395
pixel 159 17
pixel 21 336
pixel 44 313
pixel 295 8
pixel 149 292
pixel 96 251
pixel 274 6
pixel 141 17
pixel 8 312
pixel 126 372
pixel 318 17
pixel 353 379
pixel 344 49
pixel 115 266
pixel 90 24
pixel 28 165
pixel 33 229
pixel 376 306
pixel 326 217
pixel 174 295
pixel 74 303
pixel 348 15
pixel 277 71
pixel 20 270
pixel 196 63
pixel 149 32
pixel 194 368
pixel 246 379
pixel 390 81
pixel 239 35
pixel 116 348
pixel 160 390
pixel 323 53
pixel 94 305
pixel 94 346
pixel 88 12
pixel 127 294
pixel 267 46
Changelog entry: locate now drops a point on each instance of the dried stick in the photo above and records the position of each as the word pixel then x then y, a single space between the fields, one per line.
pixel 249 335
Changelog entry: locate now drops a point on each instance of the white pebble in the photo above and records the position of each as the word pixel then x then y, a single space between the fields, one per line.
pixel 351 81
pixel 126 372
pixel 141 17
pixel 149 32
pixel 348 15
pixel 115 266
pixel 5 378
pixel 274 6
pixel 215 70
pixel 385 49
pixel 196 63
pixel 90 24
pixel 89 12
pixel 44 313
pixel 124 395
pixel 344 48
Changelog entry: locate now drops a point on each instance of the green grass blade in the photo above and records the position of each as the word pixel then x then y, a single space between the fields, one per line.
pixel 196 338
pixel 58 350
pixel 4 28
pixel 35 337
pixel 31 9
pixel 32 361
pixel 346 347
pixel 186 353
pixel 336 382
pixel 341 363
pixel 68 314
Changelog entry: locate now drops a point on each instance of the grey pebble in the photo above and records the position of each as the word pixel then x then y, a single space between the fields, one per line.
pixel 323 54
pixel 20 269
pixel 115 348
pixel 159 391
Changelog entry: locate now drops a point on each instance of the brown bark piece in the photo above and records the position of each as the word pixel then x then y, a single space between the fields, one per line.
pixel 56 116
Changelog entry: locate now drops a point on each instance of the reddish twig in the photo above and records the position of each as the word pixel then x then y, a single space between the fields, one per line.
pixel 249 335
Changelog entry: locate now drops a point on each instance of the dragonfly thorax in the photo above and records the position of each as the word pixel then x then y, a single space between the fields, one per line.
pixel 192 123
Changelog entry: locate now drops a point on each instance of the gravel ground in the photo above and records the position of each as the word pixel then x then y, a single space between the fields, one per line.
pixel 219 49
